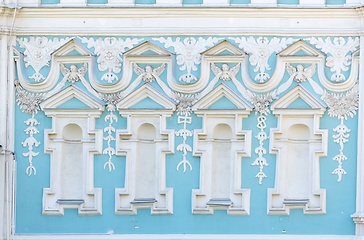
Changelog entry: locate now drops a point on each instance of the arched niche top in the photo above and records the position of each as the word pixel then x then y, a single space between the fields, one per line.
pixel 299 132
pixel 222 132
pixel 72 132
pixel 146 131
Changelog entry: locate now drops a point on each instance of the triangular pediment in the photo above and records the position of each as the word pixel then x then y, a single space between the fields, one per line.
pixel 147 49
pixel 225 48
pixel 72 48
pixel 148 97
pixel 300 48
pixel 67 98
pixel 222 97
pixel 298 98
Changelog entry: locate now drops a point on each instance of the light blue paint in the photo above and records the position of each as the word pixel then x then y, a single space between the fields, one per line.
pixel 335 2
pixel 147 103
pixel 97 1
pixel 145 1
pixel 49 1
pixel 30 189
pixel 74 103
pixel 240 1
pixel 192 1
pixel 288 1
pixel 300 104
pixel 223 103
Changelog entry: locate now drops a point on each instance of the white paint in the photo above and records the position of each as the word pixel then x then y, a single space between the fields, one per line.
pixel 145 174
pixel 298 142
pixel 358 216
pixel 312 2
pixel 221 145
pixel 73 2
pixel 72 178
pixel 185 237
pixel 168 2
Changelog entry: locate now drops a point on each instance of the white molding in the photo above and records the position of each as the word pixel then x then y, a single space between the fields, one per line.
pixel 127 143
pixel 7 159
pixel 359 212
pixel 236 200
pixel 145 91
pixel 170 21
pixel 184 237
pixel 209 56
pixel 311 199
pixel 54 142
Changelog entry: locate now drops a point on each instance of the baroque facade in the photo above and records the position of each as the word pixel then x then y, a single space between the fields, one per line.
pixel 214 119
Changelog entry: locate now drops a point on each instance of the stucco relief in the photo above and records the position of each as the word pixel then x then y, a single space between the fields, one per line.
pixel 135 71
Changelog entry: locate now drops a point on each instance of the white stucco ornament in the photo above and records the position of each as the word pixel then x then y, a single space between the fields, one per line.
pixel 339 58
pixel 184 104
pixel 29 103
pixel 300 73
pixel 109 53
pixel 38 53
pixel 260 50
pixel 225 72
pixel 188 53
pixel 261 105
pixel 74 73
pixel 149 73
pixel 342 106
pixel 110 137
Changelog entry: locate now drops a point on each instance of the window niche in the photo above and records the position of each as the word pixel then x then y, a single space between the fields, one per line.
pixel 221 144
pixel 298 143
pixel 72 143
pixel 145 143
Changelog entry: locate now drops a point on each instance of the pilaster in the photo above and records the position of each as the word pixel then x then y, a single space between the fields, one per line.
pixel 7 20
pixel 358 216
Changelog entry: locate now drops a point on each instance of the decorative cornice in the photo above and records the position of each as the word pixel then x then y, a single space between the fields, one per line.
pixel 321 21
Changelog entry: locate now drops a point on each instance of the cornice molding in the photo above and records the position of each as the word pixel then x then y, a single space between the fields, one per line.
pixel 212 20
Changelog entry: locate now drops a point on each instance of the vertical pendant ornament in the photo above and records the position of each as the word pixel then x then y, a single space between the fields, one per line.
pixel 29 103
pixel 261 106
pixel 341 106
pixel 184 111
pixel 110 130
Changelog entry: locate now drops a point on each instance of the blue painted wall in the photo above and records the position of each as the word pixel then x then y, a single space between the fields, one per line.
pixel 340 200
